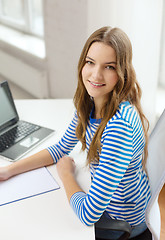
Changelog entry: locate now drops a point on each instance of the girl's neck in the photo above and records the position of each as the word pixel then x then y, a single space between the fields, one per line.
pixel 98 107
pixel 97 112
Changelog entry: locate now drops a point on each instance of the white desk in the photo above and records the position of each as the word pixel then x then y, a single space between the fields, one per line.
pixel 47 216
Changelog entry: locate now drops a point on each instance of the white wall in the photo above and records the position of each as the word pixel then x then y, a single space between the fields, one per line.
pixel 65 33
pixel 162 56
pixel 141 20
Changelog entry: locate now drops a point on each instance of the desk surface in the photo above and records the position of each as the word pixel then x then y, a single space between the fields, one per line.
pixel 47 216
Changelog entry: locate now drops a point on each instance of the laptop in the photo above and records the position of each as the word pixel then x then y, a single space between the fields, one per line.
pixel 17 137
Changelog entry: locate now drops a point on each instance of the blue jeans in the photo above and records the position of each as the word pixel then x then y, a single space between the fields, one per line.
pixel 137 230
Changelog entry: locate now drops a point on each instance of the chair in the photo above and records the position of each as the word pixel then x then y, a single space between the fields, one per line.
pixel 156 173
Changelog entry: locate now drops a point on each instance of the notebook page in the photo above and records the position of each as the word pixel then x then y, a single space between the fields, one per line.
pixel 27 185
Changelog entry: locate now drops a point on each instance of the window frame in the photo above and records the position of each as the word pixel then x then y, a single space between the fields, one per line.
pixel 26 26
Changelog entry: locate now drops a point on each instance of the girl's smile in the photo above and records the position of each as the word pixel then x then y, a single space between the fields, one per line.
pixel 96 85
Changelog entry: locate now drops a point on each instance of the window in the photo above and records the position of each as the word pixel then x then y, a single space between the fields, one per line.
pixel 24 15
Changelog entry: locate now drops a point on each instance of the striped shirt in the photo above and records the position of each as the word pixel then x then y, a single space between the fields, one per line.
pixel 119 184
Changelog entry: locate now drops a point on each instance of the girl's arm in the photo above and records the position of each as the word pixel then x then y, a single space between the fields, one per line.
pixel 115 158
pixel 66 170
pixel 40 159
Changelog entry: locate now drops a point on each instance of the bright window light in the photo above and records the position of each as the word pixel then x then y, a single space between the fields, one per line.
pixel 37 16
pixel 24 15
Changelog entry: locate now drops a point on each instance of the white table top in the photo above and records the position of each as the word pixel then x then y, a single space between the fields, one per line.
pixel 47 216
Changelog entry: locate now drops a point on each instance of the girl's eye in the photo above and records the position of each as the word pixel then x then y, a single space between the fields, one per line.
pixel 110 67
pixel 89 62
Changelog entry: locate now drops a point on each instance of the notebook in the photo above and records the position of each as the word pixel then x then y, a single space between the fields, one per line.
pixel 26 185
pixel 17 137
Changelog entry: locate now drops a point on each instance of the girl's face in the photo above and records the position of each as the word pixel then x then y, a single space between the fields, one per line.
pixel 99 72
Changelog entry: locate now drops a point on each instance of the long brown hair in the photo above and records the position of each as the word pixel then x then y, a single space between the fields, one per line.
pixel 127 89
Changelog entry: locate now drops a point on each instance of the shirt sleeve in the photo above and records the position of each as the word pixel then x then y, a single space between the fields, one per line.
pixel 67 142
pixel 115 157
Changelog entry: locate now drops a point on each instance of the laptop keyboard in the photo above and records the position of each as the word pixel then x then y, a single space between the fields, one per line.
pixel 22 130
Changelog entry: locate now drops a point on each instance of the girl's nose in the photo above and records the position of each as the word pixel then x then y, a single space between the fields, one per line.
pixel 97 73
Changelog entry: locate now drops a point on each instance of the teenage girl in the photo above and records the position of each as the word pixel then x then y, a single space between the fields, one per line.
pixel 111 126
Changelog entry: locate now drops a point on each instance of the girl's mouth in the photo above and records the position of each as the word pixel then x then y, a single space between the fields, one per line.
pixel 96 84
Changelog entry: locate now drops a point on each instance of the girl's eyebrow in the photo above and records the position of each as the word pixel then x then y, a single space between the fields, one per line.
pixel 90 58
pixel 111 63
pixel 105 63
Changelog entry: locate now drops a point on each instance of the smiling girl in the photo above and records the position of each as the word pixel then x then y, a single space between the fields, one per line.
pixel 111 126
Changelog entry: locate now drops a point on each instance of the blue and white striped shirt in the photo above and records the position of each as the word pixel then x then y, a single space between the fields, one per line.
pixel 119 184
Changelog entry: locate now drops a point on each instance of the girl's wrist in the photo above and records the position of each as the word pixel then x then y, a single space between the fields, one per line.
pixel 10 170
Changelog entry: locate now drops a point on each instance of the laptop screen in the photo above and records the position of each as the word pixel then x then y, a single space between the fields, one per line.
pixel 8 112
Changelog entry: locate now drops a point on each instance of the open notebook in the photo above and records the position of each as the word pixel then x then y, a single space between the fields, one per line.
pixel 27 185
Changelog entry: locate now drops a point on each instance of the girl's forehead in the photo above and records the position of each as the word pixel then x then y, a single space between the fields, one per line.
pixel 102 51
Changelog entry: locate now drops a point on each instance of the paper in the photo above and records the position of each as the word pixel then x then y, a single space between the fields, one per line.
pixel 27 185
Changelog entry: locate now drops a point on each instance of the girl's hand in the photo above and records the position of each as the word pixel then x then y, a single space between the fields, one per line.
pixel 4 173
pixel 65 167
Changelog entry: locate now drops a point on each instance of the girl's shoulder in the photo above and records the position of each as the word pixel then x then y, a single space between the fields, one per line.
pixel 126 113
